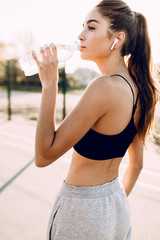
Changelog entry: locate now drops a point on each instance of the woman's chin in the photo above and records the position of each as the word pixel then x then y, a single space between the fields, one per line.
pixel 87 58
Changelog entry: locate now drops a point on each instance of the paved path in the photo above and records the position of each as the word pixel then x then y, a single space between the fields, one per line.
pixel 25 203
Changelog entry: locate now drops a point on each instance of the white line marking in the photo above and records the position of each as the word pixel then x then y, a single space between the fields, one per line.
pixel 149 186
pixel 145 185
pixel 17 146
pixel 151 173
pixel 15 136
pixel 145 171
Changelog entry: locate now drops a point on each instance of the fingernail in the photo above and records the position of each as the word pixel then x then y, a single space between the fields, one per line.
pixel 33 53
pixel 52 45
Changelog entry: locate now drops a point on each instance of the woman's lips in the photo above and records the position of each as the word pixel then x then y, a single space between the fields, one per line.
pixel 82 47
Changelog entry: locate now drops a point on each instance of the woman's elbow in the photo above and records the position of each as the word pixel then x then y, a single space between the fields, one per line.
pixel 41 161
pixel 46 157
pixel 138 165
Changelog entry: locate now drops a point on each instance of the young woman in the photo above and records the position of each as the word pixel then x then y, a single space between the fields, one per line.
pixel 114 114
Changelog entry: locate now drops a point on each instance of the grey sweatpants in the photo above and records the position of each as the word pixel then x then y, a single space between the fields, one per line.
pixel 98 212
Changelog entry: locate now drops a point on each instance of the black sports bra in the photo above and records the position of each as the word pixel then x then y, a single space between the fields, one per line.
pixel 99 146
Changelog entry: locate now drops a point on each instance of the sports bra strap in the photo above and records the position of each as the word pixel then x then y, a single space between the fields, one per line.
pixel 134 105
pixel 128 84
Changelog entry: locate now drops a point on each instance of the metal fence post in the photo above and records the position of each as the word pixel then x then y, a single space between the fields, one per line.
pixel 64 89
pixel 8 73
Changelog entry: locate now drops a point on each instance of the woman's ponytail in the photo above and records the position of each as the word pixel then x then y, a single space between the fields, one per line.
pixel 139 67
pixel 137 49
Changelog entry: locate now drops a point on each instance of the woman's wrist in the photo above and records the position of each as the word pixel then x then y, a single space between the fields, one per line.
pixel 50 87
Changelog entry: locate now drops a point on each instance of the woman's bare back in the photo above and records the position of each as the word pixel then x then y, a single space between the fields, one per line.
pixel 87 172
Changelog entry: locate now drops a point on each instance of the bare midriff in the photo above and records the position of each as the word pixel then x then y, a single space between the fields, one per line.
pixel 88 172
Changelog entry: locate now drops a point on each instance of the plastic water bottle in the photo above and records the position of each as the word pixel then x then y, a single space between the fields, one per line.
pixel 64 52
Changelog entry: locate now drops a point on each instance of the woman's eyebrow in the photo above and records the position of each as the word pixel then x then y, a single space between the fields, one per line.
pixel 91 20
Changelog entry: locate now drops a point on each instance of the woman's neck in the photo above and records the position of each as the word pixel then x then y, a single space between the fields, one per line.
pixel 112 64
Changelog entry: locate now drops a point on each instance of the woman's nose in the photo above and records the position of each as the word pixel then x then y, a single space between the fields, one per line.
pixel 81 37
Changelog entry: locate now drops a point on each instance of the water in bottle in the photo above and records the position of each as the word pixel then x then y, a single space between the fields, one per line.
pixel 64 52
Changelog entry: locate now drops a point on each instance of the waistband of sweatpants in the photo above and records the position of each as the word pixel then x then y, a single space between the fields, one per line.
pixel 102 190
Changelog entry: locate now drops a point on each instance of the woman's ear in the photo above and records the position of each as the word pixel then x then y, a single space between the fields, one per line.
pixel 115 41
pixel 121 38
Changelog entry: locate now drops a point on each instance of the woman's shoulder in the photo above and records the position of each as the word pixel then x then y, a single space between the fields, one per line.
pixel 109 91
pixel 100 83
pixel 105 86
pixel 102 80
pixel 106 82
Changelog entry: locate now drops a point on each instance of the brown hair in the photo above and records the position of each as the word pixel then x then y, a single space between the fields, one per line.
pixel 138 49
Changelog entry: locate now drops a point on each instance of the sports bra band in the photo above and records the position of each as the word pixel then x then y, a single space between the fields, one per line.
pixel 97 146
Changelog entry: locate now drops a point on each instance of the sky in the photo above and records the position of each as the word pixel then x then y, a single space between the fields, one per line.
pixel 60 21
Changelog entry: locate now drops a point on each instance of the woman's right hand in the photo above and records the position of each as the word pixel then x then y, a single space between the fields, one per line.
pixel 48 66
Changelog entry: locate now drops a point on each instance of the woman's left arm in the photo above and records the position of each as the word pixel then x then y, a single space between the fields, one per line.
pixel 135 151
